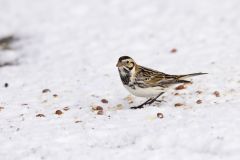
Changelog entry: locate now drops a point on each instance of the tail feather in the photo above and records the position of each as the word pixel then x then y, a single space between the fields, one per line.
pixel 191 75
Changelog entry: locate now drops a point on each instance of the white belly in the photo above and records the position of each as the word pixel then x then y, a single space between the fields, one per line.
pixel 145 92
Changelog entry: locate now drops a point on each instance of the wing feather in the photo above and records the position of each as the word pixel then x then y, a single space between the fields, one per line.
pixel 146 77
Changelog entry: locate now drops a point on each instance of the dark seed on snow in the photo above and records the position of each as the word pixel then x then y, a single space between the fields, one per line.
pixel 40 115
pixel 46 90
pixel 199 101
pixel 160 115
pixel 104 101
pixel 58 112
pixel 6 85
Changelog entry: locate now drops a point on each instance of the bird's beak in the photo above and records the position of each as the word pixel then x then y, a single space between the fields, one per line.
pixel 119 64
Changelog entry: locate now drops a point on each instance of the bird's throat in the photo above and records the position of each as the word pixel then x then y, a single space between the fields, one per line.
pixel 125 76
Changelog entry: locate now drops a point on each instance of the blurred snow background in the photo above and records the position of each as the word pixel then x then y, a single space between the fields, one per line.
pixel 71 48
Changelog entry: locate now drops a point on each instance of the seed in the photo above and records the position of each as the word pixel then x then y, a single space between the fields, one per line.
pixel 58 112
pixel 199 101
pixel 6 85
pixel 216 93
pixel 104 101
pixel 46 90
pixel 100 112
pixel 180 87
pixel 160 115
pixel 174 50
pixel 178 105
pixel 40 115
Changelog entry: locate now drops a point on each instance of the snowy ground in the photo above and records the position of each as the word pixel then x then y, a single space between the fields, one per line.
pixel 71 47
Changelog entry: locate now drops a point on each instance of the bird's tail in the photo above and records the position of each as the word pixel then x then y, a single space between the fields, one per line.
pixel 190 75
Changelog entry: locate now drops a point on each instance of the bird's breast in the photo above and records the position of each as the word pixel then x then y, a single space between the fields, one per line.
pixel 144 92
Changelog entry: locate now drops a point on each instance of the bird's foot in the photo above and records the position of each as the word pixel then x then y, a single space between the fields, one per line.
pixel 137 107
pixel 149 102
pixel 160 101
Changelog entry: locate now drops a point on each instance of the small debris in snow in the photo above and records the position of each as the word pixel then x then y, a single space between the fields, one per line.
pixel 174 50
pixel 100 112
pixel 119 107
pixel 46 90
pixel 199 92
pixel 216 93
pixel 129 98
pixel 95 96
pixel 160 115
pixel 1 108
pixel 58 112
pixel 97 108
pixel 44 101
pixel 40 115
pixel 6 85
pixel 78 121
pixel 180 87
pixel 6 42
pixel 104 101
pixel 55 95
pixel 178 105
pixel 66 108
pixel 199 101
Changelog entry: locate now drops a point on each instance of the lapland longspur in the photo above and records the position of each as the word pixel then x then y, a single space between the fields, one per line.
pixel 146 82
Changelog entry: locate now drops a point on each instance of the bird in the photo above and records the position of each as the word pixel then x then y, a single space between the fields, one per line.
pixel 146 82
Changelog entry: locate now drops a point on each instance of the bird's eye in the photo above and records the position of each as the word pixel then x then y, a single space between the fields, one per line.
pixel 127 61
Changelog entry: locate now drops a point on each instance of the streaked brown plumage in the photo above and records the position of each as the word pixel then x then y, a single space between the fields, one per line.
pixel 146 82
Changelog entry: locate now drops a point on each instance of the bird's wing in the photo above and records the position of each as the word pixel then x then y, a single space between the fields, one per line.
pixel 152 78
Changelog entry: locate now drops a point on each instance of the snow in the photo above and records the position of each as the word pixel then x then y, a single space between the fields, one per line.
pixel 71 47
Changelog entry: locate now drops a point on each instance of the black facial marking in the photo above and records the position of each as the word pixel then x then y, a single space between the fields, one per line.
pixel 125 77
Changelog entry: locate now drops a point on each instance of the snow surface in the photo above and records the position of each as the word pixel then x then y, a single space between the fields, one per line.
pixel 71 47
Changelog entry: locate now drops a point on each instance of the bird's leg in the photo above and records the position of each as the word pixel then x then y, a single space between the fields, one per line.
pixel 143 104
pixel 149 101
pixel 155 99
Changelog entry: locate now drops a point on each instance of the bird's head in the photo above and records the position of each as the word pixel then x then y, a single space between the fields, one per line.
pixel 126 63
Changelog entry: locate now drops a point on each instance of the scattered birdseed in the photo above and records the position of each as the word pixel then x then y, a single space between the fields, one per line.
pixel 40 115
pixel 58 112
pixel 97 108
pixel 199 92
pixel 180 87
pixel 46 90
pixel 199 101
pixel 216 93
pixel 178 105
pixel 100 112
pixel 119 107
pixel 129 98
pixel 66 108
pixel 1 108
pixel 6 85
pixel 55 95
pixel 174 50
pixel 104 101
pixel 160 115
pixel 6 42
